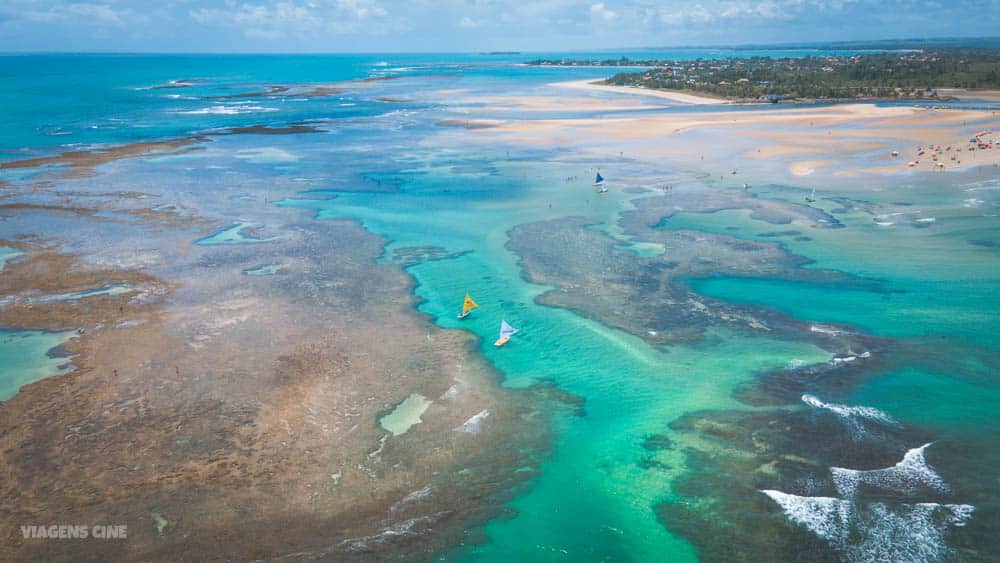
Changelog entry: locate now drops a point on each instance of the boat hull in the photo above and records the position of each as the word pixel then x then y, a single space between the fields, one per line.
pixel 502 341
pixel 463 315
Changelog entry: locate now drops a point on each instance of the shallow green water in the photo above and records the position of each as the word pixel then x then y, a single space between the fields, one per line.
pixel 264 270
pixel 6 254
pixel 899 308
pixel 593 500
pixel 23 358
pixel 106 291
pixel 405 414
pixel 237 234
pixel 933 285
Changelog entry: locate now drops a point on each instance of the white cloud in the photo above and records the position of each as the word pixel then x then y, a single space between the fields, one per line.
pixel 276 20
pixel 600 11
pixel 79 13
pixel 473 24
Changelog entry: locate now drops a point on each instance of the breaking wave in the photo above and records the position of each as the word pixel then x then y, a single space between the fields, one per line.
pixel 909 476
pixel 853 417
pixel 231 109
pixel 876 531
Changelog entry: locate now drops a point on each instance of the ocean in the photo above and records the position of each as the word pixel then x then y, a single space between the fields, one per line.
pixel 698 439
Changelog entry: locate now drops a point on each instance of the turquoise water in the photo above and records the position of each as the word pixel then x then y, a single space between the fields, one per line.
pixel 109 290
pixel 24 360
pixel 631 389
pixel 237 234
pixel 7 253
pixel 903 308
pixel 264 270
pixel 60 101
pixel 926 287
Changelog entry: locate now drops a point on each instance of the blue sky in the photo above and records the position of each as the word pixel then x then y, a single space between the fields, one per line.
pixel 470 25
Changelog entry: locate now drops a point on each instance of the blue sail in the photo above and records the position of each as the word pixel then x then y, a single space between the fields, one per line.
pixel 599 178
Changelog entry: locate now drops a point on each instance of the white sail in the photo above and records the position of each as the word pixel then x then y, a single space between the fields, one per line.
pixel 506 331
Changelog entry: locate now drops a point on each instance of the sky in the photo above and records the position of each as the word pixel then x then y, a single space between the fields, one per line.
pixel 471 25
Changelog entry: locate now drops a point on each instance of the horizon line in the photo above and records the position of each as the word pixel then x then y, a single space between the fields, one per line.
pixel 731 46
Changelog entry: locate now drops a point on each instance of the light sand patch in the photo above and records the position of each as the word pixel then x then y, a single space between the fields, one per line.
pixel 450 92
pixel 807 167
pixel 551 103
pixel 865 130
pixel 781 151
pixel 924 117
pixel 682 97
pixel 651 126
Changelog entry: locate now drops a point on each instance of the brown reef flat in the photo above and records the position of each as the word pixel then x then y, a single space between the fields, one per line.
pixel 593 275
pixel 225 416
pixel 83 162
pixel 293 129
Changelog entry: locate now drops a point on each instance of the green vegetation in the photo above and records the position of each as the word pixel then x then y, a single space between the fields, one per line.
pixel 897 75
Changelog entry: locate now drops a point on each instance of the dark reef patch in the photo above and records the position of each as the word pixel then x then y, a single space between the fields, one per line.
pixel 657 442
pixel 592 275
pixel 410 255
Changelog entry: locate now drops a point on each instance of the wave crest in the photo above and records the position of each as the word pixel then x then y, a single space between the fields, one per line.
pixel 876 531
pixel 909 476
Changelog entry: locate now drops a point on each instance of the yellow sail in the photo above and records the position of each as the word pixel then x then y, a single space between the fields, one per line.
pixel 468 305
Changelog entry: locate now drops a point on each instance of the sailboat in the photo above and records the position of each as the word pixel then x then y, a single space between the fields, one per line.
pixel 599 182
pixel 812 197
pixel 506 331
pixel 467 306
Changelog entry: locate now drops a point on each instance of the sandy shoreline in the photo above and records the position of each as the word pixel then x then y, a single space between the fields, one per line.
pixel 843 139
pixel 680 97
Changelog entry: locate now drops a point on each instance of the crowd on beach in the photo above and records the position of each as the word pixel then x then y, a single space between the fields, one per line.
pixel 937 153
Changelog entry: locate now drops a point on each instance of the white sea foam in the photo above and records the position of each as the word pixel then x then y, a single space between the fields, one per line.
pixel 844 359
pixel 824 330
pixel 876 531
pixel 266 154
pixel 909 476
pixel 231 109
pixel 926 220
pixel 853 417
pixel 827 517
pixel 848 411
pixel 451 393
pixel 472 425
pixel 415 496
